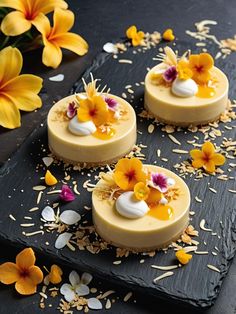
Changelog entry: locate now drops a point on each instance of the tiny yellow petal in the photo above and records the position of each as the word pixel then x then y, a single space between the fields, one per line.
pixel 50 179
pixel 55 274
pixel 141 191
pixel 183 257
pixel 168 35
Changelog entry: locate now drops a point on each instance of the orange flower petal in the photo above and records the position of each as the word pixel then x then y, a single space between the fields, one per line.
pixel 15 23
pixel 42 23
pixel 183 257
pixel 198 163
pixel 168 35
pixel 63 20
pixel 11 62
pixel 16 4
pixel 122 165
pixel 208 149
pixel 206 60
pixel 196 154
pixel 121 180
pixel 72 42
pixel 218 159
pixel 210 166
pixel 50 179
pixel 131 31
pixel 52 55
pixel 25 286
pixel 25 259
pixel 46 6
pixel 35 274
pixel 9 273
pixel 23 91
pixel 9 113
pixel 55 274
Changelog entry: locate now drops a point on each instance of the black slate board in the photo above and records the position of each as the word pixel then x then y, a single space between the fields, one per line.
pixel 193 284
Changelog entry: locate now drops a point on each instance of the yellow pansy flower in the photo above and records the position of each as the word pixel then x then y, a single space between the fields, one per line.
pixel 184 71
pixel 135 36
pixel 168 35
pixel 17 92
pixel 141 191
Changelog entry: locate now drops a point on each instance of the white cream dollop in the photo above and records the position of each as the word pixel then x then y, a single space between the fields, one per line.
pixel 184 88
pixel 81 128
pixel 128 206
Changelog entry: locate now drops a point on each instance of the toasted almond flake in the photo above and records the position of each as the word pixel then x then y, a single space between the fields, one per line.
pixel 201 252
pixel 213 190
pixel 218 55
pixel 125 61
pixel 200 44
pixel 151 128
pixel 33 233
pixel 106 294
pixel 190 249
pixel 33 209
pixel 164 159
pixel 214 253
pixel 28 218
pixel 232 191
pixel 173 139
pixel 117 262
pixel 12 217
pixel 57 78
pixel 130 91
pixel 108 304
pixel 128 296
pixel 216 248
pixel 202 226
pixel 212 267
pixel 39 187
pixel 192 213
pixel 70 246
pixel 158 153
pixel 93 290
pixel 128 86
pixel 27 225
pixel 167 274
pixel 124 95
pixel 165 267
pixel 179 151
pixel 43 295
pixel 198 199
pixel 39 197
pixel 54 192
pixel 47 161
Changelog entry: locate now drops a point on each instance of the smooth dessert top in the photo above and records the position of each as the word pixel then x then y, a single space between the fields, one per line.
pixel 186 76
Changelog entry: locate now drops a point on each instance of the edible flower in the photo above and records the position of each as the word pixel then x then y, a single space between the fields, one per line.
pixel 141 191
pixel 71 110
pixel 154 196
pixel 93 109
pixel 128 172
pixel 50 179
pixel 23 273
pixel 184 71
pixel 135 36
pixel 112 103
pixel 76 286
pixel 17 92
pixel 207 158
pixel 168 35
pixel 57 37
pixel 200 66
pixel 183 257
pixel 55 274
pixel 170 74
pixel 66 194
pixel 27 14
pixel 159 182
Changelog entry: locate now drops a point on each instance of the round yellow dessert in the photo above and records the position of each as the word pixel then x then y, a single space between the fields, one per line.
pixel 159 227
pixel 204 107
pixel 93 149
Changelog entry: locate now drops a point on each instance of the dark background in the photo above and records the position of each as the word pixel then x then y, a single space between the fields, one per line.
pixel 98 22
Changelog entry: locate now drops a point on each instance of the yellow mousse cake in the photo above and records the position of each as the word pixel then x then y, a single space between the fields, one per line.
pixel 92 128
pixel 186 91
pixel 140 207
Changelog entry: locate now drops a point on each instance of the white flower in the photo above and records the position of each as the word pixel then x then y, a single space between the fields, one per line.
pixel 77 286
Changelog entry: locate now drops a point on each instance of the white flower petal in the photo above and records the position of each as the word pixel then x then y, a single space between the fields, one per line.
pixel 57 78
pixel 68 292
pixel 94 304
pixel 74 278
pixel 48 214
pixel 70 217
pixel 62 240
pixel 48 161
pixel 86 278
pixel 110 48
pixel 82 289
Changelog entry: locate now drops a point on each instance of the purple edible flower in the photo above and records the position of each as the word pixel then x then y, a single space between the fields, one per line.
pixel 71 110
pixel 112 103
pixel 159 182
pixel 66 194
pixel 170 74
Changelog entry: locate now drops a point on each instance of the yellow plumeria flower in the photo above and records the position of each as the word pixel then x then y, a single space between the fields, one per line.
pixel 184 71
pixel 183 257
pixel 141 191
pixel 207 158
pixel 58 36
pixel 135 36
pixel 26 14
pixel 55 274
pixel 168 35
pixel 50 179
pixel 17 92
